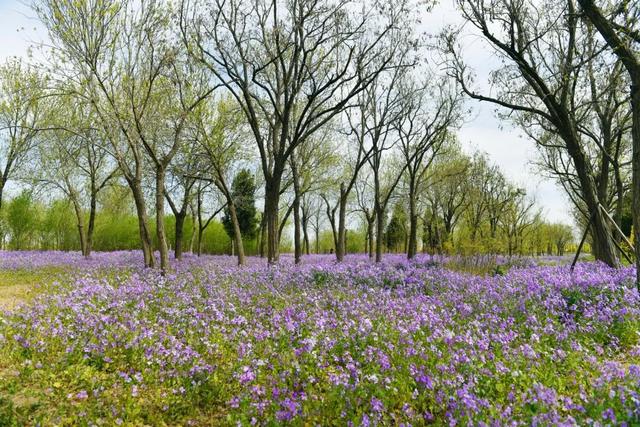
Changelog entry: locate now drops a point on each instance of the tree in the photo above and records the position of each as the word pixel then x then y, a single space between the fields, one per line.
pixel 22 220
pixel 624 39
pixel 74 161
pixel 539 45
pixel 243 191
pixel 396 233
pixel 431 110
pixel 561 235
pixel 220 138
pixel 140 84
pixel 516 219
pixel 447 193
pixel 291 66
pixel 22 113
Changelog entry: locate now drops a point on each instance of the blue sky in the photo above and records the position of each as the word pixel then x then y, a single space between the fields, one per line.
pixel 504 145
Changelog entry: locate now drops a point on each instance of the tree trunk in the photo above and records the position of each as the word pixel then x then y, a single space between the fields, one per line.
pixel 192 238
pixel 92 223
pixel 379 233
pixel 271 202
pixel 237 235
pixel 160 230
pixel 145 234
pixel 635 132
pixel 80 224
pixel 200 234
pixel 305 233
pixel 297 247
pixel 179 235
pixel 370 223
pixel 413 222
pixel 342 224
pixel 2 184
pixel 262 235
pixel 604 248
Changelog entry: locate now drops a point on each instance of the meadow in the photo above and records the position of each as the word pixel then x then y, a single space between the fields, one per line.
pixel 102 341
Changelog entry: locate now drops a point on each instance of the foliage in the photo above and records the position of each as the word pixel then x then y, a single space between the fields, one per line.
pixel 243 191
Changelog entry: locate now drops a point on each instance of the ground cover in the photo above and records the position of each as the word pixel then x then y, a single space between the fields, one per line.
pixel 401 343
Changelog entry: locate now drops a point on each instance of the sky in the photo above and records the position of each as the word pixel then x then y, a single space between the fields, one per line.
pixel 504 145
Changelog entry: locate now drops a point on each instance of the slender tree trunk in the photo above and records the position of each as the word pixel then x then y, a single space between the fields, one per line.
pixel 192 238
pixel 160 230
pixel 635 131
pixel 379 233
pixel 263 235
pixel 80 224
pixel 305 233
pixel 200 234
pixel 370 223
pixel 342 224
pixel 92 223
pixel 2 184
pixel 413 222
pixel 297 247
pixel 145 233
pixel 237 235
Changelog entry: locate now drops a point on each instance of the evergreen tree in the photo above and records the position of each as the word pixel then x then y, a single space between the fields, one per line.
pixel 396 234
pixel 243 191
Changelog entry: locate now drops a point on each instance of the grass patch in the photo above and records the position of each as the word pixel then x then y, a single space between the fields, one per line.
pixel 20 286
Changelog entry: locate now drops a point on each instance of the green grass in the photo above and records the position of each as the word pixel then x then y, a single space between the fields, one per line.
pixel 20 286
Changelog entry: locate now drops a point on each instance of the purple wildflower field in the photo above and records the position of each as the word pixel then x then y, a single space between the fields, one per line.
pixel 396 343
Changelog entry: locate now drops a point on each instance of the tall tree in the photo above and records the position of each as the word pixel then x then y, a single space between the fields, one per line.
pixel 243 192
pixel 72 159
pixel 292 66
pixel 620 31
pixel 141 86
pixel 539 45
pixel 431 110
pixel 220 138
pixel 22 114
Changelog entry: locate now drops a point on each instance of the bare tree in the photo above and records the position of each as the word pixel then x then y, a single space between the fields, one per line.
pixel 292 66
pixel 538 42
pixel 431 110
pixel 220 139
pixel 73 160
pixel 621 33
